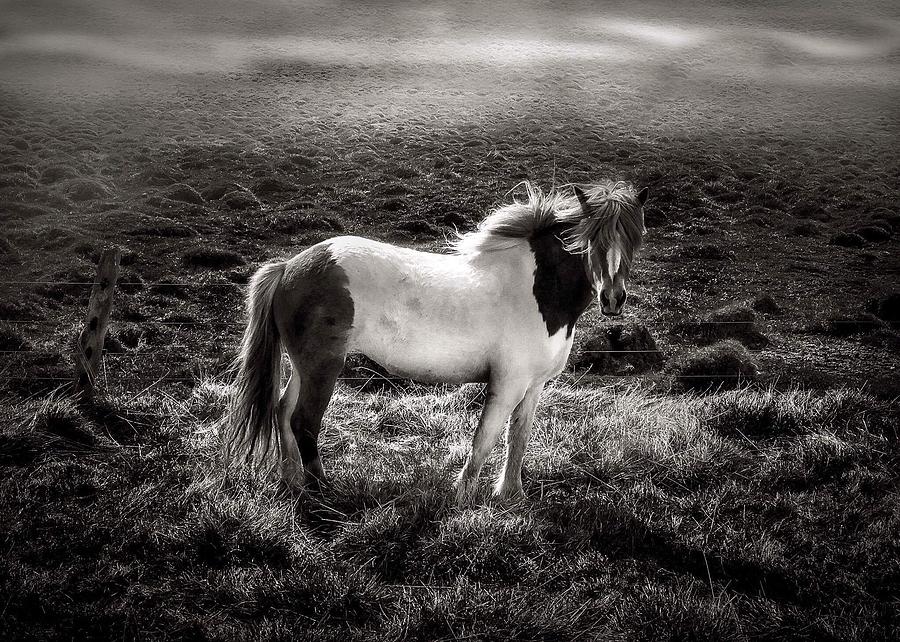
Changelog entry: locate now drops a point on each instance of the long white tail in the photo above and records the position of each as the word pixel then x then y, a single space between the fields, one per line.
pixel 251 431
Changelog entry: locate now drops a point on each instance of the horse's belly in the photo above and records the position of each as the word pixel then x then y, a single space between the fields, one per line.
pixel 423 338
pixel 427 359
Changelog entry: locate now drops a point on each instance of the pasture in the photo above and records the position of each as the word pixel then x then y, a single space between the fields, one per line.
pixel 720 463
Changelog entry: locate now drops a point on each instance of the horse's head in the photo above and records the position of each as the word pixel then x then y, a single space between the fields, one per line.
pixel 614 220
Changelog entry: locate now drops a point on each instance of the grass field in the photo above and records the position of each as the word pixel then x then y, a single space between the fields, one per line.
pixel 204 142
pixel 750 514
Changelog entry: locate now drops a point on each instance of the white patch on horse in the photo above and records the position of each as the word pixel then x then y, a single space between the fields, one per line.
pixel 428 316
pixel 613 259
pixel 557 352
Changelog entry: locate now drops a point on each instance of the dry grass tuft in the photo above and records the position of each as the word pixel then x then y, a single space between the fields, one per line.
pixel 60 417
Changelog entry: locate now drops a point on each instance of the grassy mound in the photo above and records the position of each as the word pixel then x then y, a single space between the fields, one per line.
pixel 847 239
pixel 183 193
pixel 874 233
pixel 240 199
pixel 809 228
pixel 766 304
pixel 845 325
pixel 85 189
pixel 273 185
pixel 888 308
pixel 58 172
pixel 159 226
pixel 726 364
pixel 23 211
pixel 737 321
pixel 616 348
pixel 56 426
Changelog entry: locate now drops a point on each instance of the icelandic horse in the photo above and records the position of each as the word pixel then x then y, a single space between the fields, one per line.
pixel 500 308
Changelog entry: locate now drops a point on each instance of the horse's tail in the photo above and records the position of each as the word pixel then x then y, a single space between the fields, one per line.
pixel 251 430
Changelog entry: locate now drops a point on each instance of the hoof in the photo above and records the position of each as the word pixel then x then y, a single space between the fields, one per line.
pixel 294 484
pixel 509 495
pixel 315 476
pixel 292 477
pixel 465 492
pixel 315 484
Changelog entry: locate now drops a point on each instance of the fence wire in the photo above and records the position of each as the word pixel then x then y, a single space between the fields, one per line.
pixel 129 354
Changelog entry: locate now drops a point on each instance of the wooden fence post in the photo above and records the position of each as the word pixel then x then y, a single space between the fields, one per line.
pixel 89 345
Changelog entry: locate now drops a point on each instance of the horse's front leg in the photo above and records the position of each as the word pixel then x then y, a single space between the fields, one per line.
pixel 502 397
pixel 509 483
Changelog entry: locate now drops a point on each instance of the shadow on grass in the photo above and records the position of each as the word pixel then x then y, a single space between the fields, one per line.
pixel 619 534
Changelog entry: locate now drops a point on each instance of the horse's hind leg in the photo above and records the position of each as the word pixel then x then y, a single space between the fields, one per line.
pixel 316 387
pixel 291 465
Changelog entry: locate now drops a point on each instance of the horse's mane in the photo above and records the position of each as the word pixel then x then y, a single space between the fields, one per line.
pixel 615 215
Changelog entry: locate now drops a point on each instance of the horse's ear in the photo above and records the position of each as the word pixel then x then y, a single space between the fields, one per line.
pixel 642 195
pixel 582 199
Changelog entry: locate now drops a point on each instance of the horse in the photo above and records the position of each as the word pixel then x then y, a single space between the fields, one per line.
pixel 499 308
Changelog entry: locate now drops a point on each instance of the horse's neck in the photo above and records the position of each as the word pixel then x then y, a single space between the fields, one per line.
pixel 561 284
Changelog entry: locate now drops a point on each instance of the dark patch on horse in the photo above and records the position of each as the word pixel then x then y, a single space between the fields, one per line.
pixel 316 388
pixel 314 313
pixel 313 308
pixel 561 285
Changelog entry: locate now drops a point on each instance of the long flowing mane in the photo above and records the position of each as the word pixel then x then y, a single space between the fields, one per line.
pixel 614 219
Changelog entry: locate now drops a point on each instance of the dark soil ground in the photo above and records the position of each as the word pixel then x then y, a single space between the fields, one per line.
pixel 773 219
